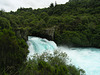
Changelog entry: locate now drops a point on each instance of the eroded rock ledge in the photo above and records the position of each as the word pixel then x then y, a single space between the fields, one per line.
pixel 47 33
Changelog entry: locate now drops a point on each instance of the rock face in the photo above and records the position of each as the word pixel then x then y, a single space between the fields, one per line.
pixel 22 33
pixel 50 32
pixel 47 33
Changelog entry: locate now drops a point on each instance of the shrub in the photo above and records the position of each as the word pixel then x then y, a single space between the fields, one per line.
pixel 50 64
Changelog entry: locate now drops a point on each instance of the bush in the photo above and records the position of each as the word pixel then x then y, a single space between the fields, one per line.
pixel 4 23
pixel 50 64
pixel 12 52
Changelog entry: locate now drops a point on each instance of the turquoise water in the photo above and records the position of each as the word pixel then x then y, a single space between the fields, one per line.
pixel 39 45
pixel 85 58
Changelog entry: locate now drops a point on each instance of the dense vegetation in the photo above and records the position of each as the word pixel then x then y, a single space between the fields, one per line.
pixel 13 50
pixel 77 23
pixel 50 64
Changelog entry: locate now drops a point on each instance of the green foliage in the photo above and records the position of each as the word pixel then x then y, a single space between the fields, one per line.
pixel 79 17
pixel 77 23
pixel 72 38
pixel 4 23
pixel 13 51
pixel 44 16
pixel 53 21
pixel 50 64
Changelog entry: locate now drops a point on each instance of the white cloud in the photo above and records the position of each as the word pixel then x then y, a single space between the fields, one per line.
pixel 13 5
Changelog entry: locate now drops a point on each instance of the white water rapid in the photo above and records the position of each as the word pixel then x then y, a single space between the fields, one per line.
pixel 39 45
pixel 85 58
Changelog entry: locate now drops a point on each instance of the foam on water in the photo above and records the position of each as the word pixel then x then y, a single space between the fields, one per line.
pixel 85 58
pixel 39 45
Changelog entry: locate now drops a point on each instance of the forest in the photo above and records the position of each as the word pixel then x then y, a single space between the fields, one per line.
pixel 76 23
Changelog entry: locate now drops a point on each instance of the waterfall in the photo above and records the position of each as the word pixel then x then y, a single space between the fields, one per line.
pixel 39 45
pixel 85 58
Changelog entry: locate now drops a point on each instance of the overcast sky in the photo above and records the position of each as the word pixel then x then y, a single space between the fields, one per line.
pixel 13 5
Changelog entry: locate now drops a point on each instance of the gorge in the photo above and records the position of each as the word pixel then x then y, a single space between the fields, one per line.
pixel 73 27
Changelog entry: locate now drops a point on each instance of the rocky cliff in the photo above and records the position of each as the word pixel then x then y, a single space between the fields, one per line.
pixel 47 33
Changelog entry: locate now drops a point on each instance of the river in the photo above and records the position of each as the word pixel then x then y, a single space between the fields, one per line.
pixel 85 58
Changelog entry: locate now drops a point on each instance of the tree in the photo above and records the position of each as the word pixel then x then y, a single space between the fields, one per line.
pixel 44 16
pixel 50 64
pixel 51 5
pixel 13 51
pixel 4 23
